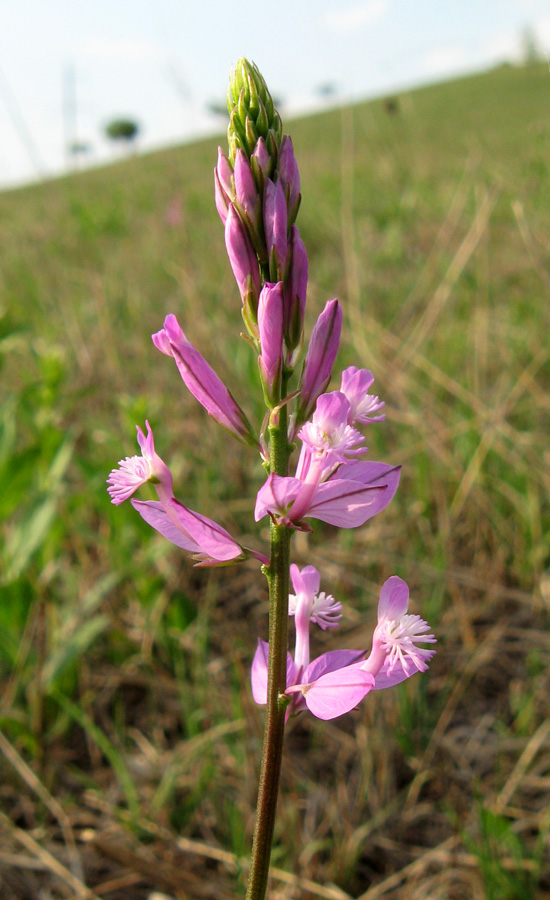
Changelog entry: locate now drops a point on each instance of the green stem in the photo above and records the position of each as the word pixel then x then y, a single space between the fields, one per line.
pixel 272 751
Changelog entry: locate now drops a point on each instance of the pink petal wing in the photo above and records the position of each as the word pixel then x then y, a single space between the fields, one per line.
pixel 346 504
pixel 338 692
pixel 276 495
pixel 211 538
pixel 373 474
pixel 155 515
pixel 330 662
pixel 258 673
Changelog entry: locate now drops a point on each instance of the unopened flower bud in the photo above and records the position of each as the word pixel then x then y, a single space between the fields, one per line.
pixel 245 267
pixel 322 350
pixel 248 201
pixel 252 114
pixel 201 380
pixel 289 175
pixel 276 228
pixel 295 292
pixel 261 162
pixel 223 185
pixel 270 324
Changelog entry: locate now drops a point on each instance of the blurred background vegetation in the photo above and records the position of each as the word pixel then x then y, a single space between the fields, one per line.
pixel 129 742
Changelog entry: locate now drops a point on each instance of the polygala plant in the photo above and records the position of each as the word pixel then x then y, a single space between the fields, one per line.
pixel 257 192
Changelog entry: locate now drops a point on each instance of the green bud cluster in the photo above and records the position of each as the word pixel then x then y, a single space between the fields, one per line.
pixel 252 113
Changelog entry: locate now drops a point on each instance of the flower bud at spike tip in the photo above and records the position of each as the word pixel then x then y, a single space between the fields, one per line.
pixel 252 114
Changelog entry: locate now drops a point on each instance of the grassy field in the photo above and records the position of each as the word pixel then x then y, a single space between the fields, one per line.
pixel 129 741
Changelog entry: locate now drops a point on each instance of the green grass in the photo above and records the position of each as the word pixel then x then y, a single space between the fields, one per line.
pixel 125 671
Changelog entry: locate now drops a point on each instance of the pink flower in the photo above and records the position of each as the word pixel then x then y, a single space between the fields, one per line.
pixel 137 470
pixel 355 385
pixel 395 655
pixel 336 682
pixel 208 542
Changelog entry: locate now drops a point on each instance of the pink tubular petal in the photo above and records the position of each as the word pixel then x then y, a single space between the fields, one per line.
pixel 338 692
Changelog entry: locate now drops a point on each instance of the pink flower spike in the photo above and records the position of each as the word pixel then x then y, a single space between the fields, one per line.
pixel 355 384
pixel 322 350
pixel 135 471
pixel 202 381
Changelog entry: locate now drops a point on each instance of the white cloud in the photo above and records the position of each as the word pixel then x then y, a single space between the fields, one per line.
pixel 444 60
pixel 122 49
pixel 356 16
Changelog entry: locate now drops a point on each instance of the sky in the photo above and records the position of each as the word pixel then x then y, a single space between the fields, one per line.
pixel 68 67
